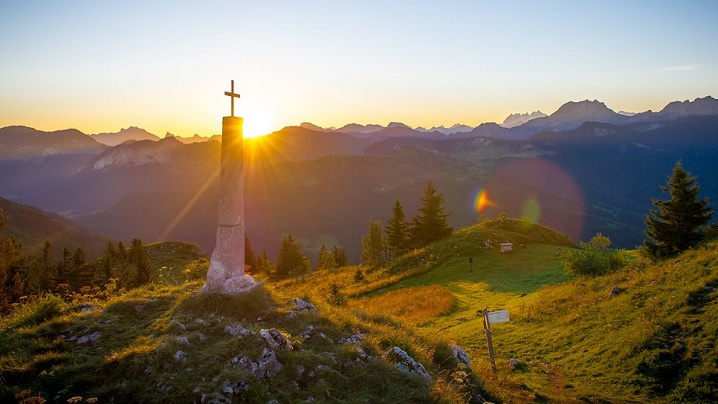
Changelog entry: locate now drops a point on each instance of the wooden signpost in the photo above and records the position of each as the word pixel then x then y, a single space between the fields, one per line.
pixel 493 317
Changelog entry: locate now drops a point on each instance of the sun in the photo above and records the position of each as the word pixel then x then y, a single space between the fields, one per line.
pixel 258 122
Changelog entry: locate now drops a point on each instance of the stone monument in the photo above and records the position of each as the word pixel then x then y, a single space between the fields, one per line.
pixel 226 269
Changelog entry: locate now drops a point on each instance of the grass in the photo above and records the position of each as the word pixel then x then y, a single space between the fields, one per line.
pixel 653 342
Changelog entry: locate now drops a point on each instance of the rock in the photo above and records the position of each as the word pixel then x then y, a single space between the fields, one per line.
pixel 182 340
pixel 201 337
pixel 303 305
pixel 514 363
pixel 201 322
pixel 308 332
pixel 406 363
pixel 355 339
pixel 239 284
pixel 88 307
pixel 614 292
pixel 180 356
pixel 175 323
pixel 275 339
pixel 460 355
pixel 248 364
pixel 89 338
pixel 269 366
pixel 238 329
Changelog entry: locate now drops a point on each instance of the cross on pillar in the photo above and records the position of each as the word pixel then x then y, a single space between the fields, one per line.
pixel 232 95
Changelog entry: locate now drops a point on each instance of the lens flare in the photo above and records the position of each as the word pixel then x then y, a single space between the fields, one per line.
pixel 531 210
pixel 483 201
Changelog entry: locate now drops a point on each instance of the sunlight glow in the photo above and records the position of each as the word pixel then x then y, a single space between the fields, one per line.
pixel 258 122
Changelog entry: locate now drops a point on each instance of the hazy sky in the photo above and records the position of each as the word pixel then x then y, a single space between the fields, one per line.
pixel 99 66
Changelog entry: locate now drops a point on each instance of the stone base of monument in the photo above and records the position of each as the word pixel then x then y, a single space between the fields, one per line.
pixel 234 286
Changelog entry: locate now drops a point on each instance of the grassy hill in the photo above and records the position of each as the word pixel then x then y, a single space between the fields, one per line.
pixel 652 342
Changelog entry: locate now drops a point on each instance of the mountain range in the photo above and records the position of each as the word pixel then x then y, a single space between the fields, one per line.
pixel 581 170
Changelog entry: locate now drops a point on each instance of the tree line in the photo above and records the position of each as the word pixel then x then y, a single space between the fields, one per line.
pixel 382 243
pixel 24 275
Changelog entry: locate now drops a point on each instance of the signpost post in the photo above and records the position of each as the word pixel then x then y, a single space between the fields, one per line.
pixel 500 316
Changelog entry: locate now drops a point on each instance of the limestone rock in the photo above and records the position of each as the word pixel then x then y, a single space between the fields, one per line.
pixel 182 340
pixel 269 366
pixel 248 364
pixel 355 339
pixel 89 338
pixel 614 292
pixel 237 329
pixel 274 339
pixel 460 355
pixel 406 363
pixel 303 305
pixel 239 284
pixel 514 363
pixel 180 356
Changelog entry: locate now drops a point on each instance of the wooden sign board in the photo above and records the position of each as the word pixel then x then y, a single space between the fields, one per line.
pixel 500 316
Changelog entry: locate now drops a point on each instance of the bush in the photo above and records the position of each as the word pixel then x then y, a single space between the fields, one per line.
pixel 594 258
pixel 45 308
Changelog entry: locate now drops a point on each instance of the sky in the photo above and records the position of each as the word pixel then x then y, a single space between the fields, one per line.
pixel 99 66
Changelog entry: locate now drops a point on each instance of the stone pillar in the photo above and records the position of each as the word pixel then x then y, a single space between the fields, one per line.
pixel 226 269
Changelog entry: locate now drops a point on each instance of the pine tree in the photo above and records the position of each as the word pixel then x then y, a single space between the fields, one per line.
pixel 108 262
pixel 676 224
pixel 373 245
pixel 291 261
pixel 430 224
pixel 250 258
pixel 397 232
pixel 340 257
pixel 47 277
pixel 326 259
pixel 141 262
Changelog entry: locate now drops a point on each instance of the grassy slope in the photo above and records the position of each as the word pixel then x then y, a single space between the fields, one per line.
pixel 654 342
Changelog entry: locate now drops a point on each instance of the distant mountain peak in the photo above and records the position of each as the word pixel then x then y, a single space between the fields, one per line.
pixel 700 106
pixel 131 133
pixel 311 126
pixel 521 118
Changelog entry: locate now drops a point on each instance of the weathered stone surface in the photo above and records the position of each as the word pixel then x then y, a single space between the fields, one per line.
pixel 274 339
pixel 226 269
pixel 303 305
pixel 239 284
pixel 182 340
pixel 180 356
pixel 89 338
pixel 238 330
pixel 460 355
pixel 269 366
pixel 615 291
pixel 514 362
pixel 406 363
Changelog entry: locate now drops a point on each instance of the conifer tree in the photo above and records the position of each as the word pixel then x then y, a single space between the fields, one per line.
pixel 291 261
pixel 374 245
pixel 326 259
pixel 676 223
pixel 7 250
pixel 250 258
pixel 140 260
pixel 340 257
pixel 397 232
pixel 430 224
pixel 108 262
pixel 47 277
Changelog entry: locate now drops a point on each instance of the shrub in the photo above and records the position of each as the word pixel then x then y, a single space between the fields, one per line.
pixel 45 308
pixel 594 258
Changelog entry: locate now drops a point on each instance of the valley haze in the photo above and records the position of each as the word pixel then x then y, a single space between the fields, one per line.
pixel 583 169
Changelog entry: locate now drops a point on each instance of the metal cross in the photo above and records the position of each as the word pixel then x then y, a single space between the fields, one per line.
pixel 232 96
